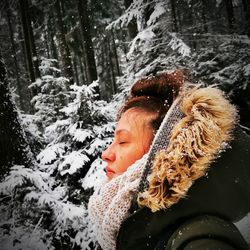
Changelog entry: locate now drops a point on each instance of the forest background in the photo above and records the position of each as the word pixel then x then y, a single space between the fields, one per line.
pixel 65 68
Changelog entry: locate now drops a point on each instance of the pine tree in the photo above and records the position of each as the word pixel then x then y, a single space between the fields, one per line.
pixel 63 47
pixel 13 145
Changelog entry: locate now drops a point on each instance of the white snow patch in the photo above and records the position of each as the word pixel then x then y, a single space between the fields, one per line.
pixel 246 70
pixel 80 134
pixel 97 145
pixel 158 11
pixel 96 175
pixel 145 37
pixel 72 162
pixel 51 153
pixel 177 44
pixel 19 175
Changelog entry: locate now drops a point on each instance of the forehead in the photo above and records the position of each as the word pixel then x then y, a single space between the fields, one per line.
pixel 133 119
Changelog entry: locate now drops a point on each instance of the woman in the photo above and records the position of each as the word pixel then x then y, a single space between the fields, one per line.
pixel 170 185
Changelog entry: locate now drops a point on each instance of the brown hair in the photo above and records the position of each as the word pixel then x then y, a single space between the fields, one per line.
pixel 154 94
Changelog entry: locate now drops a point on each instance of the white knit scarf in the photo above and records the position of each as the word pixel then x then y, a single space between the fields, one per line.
pixel 109 205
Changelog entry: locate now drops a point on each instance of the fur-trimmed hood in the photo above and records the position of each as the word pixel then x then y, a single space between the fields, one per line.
pixel 194 143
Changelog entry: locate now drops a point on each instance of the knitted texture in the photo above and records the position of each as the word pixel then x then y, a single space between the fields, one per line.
pixel 108 206
pixel 161 139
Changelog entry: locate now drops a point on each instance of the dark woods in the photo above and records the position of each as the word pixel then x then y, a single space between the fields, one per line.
pixel 65 66
pixel 73 35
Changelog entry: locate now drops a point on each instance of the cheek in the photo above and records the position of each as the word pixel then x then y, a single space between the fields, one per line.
pixel 147 140
pixel 137 152
pixel 122 164
pixel 142 146
pixel 121 157
pixel 146 145
pixel 126 158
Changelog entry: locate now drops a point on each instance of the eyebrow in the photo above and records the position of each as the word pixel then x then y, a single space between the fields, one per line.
pixel 119 131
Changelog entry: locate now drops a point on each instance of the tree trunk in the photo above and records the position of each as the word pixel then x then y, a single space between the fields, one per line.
pixel 51 32
pixel 75 70
pixel 106 69
pixel 191 16
pixel 29 37
pixel 83 63
pixel 83 59
pixel 115 54
pixel 174 18
pixel 46 42
pixel 33 46
pixel 18 83
pixel 246 6
pixel 63 47
pixel 24 68
pixel 230 15
pixel 82 77
pixel 203 15
pixel 101 65
pixel 87 41
pixel 26 35
pixel 110 59
pixel 178 14
pixel 132 26
pixel 14 148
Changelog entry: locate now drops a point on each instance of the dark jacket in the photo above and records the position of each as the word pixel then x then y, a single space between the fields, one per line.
pixel 204 219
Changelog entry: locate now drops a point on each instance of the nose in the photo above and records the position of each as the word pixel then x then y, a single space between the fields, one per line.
pixel 108 154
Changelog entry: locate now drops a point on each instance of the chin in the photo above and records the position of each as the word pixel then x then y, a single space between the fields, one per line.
pixel 110 175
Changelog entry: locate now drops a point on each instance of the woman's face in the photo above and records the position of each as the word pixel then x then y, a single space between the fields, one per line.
pixel 132 138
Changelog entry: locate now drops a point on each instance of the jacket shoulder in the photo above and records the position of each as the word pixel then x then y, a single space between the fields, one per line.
pixel 204 232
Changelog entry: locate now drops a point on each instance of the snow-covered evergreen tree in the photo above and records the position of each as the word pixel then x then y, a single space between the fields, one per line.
pixel 47 204
pixel 52 94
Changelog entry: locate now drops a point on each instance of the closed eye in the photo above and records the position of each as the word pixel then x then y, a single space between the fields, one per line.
pixel 122 142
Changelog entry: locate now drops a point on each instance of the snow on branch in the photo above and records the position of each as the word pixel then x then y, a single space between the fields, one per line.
pixel 19 176
pixel 133 11
pixel 79 134
pixel 144 37
pixel 73 162
pixel 95 175
pixel 65 212
pixel 158 11
pixel 136 11
pixel 52 153
pixel 81 92
pixel 178 44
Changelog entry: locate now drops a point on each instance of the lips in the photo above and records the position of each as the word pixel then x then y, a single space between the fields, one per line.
pixel 109 172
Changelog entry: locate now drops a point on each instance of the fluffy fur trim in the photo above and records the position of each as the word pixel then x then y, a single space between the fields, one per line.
pixel 194 143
